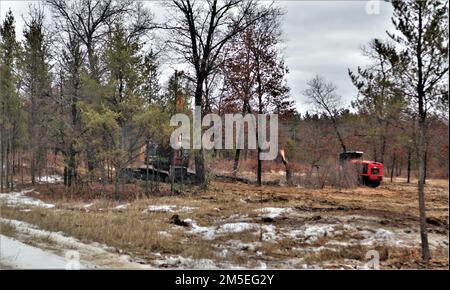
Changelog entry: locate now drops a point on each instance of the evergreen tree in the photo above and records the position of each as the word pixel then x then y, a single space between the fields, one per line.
pixel 11 106
pixel 37 87
pixel 421 62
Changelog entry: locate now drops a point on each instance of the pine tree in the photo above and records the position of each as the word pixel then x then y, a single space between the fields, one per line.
pixel 379 96
pixel 68 124
pixel 150 79
pixel 11 107
pixel 421 62
pixel 37 87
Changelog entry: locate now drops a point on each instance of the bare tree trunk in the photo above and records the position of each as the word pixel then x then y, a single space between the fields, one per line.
pixel 245 108
pixel 425 164
pixel 200 167
pixel 2 135
pixel 338 134
pixel 116 184
pixel 13 171
pixel 32 167
pixel 7 169
pixel 383 148
pixel 199 157
pixel 146 170
pixel 71 168
pixel 259 177
pixel 398 170
pixel 236 162
pixel 65 176
pixel 393 167
pixel 260 111
pixel 422 209
pixel 21 166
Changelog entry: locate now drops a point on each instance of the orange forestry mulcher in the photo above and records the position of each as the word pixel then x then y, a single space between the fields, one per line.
pixel 370 173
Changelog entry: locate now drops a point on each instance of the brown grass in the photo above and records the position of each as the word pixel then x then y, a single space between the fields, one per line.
pixel 7 230
pixel 137 233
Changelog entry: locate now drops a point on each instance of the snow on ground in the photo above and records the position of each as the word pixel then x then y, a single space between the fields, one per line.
pixel 236 244
pixel 94 254
pixel 51 179
pixel 19 199
pixel 185 263
pixel 273 212
pixel 210 233
pixel 164 233
pixel 122 206
pixel 235 228
pixel 168 208
pixel 269 233
pixel 311 232
pixel 17 255
pixel 314 232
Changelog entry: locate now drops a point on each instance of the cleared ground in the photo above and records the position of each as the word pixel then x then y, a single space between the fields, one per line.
pixel 235 225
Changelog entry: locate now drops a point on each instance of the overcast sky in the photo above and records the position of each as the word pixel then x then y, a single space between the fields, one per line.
pixel 321 37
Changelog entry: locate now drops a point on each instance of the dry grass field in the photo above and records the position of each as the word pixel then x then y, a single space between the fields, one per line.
pixel 235 225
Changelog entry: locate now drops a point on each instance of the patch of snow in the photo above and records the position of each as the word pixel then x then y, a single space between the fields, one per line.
pixel 161 208
pixel 208 233
pixel 18 255
pixel 19 198
pixel 313 232
pixel 51 179
pixel 236 227
pixel 223 253
pixel 338 243
pixel 168 208
pixel 186 263
pixel 164 234
pixel 380 236
pixel 88 205
pixel 122 206
pixel 236 244
pixel 102 258
pixel 273 212
pixel 294 233
pixel 269 233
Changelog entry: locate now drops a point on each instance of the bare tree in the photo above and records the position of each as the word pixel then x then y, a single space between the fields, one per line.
pixel 322 95
pixel 91 20
pixel 200 31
